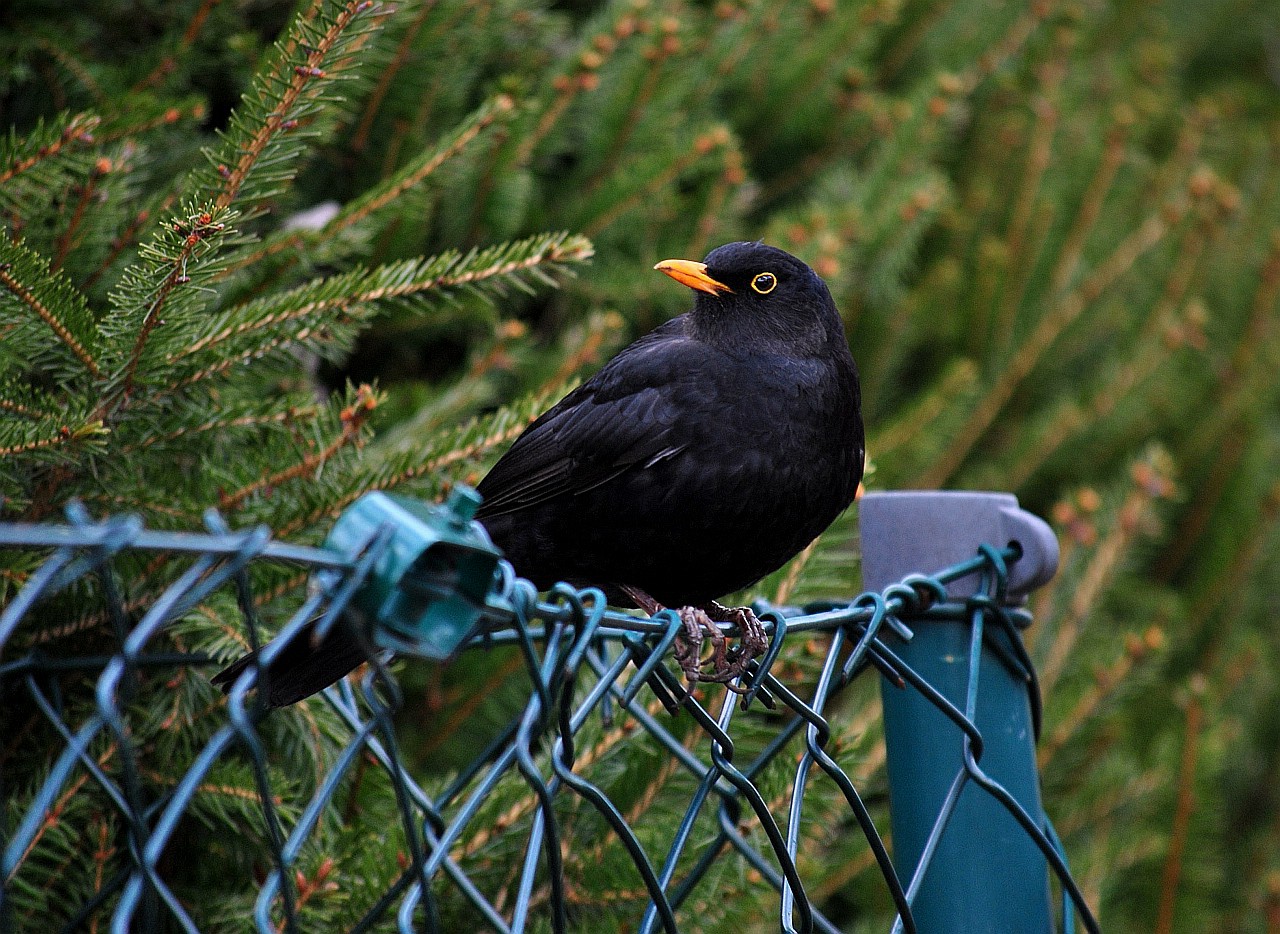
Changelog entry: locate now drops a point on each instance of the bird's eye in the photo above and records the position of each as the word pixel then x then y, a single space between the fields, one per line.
pixel 764 283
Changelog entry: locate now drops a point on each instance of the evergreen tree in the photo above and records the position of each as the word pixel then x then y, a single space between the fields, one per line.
pixel 1052 228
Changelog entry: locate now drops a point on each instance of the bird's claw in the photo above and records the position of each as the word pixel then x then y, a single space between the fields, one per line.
pixel 726 665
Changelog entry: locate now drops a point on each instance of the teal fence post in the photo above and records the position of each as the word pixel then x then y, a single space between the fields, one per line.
pixel 985 874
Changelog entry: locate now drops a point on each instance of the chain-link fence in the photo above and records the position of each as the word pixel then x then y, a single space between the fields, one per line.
pixel 585 665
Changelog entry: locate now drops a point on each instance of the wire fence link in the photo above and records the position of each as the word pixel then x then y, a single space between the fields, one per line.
pixel 585 665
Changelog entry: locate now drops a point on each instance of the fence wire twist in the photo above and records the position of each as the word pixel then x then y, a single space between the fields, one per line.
pixel 583 660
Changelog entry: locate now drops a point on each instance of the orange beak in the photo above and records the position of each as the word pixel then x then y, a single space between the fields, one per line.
pixel 692 274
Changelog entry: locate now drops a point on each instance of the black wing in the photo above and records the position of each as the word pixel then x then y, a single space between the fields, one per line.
pixel 619 419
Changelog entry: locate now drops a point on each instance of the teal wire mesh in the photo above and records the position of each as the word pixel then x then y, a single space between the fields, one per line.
pixel 584 667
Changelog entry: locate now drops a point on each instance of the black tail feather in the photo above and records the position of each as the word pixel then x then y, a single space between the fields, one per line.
pixel 302 669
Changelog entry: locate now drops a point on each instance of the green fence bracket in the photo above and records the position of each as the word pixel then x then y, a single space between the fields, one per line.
pixel 433 584
pixel 981 871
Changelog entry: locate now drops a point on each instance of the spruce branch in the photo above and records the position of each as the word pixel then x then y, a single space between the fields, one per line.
pixel 169 61
pixel 181 248
pixel 1239 384
pixel 1171 876
pixel 1063 313
pixel 389 190
pixel 1137 649
pixel 35 291
pixel 135 128
pixel 353 418
pixel 57 435
pixel 1149 483
pixel 323 313
pixel 579 73
pixel 1046 111
pixel 75 66
pixel 125 239
pixel 388 76
pixel 657 177
pixel 20 155
pixel 431 460
pixel 260 137
pixel 262 151
pixel 88 190
pixel 419 169
pixel 267 413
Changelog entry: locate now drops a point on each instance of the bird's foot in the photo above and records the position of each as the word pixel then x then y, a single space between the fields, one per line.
pixel 698 624
pixel 726 665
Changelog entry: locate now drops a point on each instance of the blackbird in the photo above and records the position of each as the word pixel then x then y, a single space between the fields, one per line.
pixel 701 458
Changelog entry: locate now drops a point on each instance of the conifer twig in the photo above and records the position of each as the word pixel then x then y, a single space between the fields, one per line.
pixel 1106 681
pixel 79 130
pixel 1046 110
pixel 123 241
pixel 17 408
pixel 425 468
pixel 387 76
pixel 168 62
pixel 346 300
pixel 392 190
pixel 353 418
pixel 151 318
pixel 1235 386
pixel 279 114
pixel 45 314
pixel 1048 329
pixel 1171 875
pixel 67 239
pixel 703 146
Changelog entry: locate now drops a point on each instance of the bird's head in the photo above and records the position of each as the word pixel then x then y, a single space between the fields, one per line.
pixel 758 292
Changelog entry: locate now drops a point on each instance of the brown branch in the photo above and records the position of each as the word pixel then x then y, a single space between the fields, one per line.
pixel 461 715
pixel 149 321
pixel 1172 874
pixel 1137 647
pixel 502 105
pixel 47 316
pixel 1049 328
pixel 1230 440
pixel 65 434
pixel 122 241
pixel 730 179
pixel 433 465
pixel 353 419
pixel 1113 154
pixel 302 75
pixel 657 55
pixel 289 415
pixel 18 408
pixel 586 353
pixel 703 146
pixel 189 36
pixel 79 130
pixel 77 68
pixel 67 239
pixel 170 116
pixel 360 138
pixel 412 287
pixel 54 814
pixel 1039 154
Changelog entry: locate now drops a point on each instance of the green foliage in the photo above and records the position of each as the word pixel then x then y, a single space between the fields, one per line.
pixel 1052 229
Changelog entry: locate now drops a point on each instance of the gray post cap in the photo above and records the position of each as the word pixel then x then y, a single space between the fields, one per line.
pixel 923 531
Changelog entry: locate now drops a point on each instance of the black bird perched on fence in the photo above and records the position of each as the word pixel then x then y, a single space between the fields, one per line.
pixel 701 458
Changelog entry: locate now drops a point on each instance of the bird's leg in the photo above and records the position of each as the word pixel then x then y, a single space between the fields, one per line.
pixel 753 642
pixel 699 624
pixel 688 646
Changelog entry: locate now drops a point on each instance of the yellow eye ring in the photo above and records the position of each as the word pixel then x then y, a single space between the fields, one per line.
pixel 764 283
